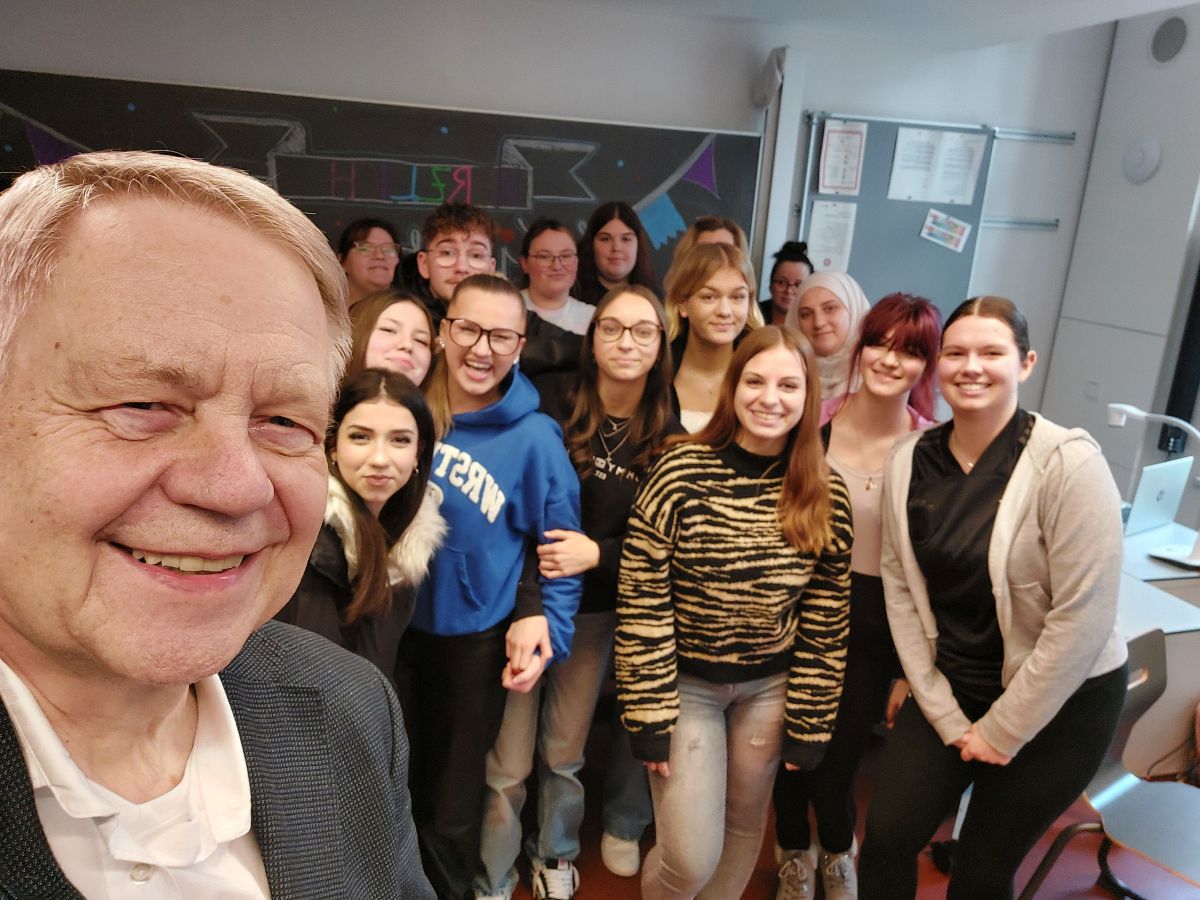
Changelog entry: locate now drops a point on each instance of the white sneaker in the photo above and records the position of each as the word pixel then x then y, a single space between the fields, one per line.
pixel 621 856
pixel 798 875
pixel 554 879
pixel 838 876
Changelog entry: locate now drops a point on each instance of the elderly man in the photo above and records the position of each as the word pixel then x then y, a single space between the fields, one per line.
pixel 170 339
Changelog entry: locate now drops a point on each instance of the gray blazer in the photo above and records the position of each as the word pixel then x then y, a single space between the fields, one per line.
pixel 328 762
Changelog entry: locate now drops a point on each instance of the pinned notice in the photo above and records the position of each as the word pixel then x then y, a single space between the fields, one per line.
pixel 946 231
pixel 831 234
pixel 842 150
pixel 936 166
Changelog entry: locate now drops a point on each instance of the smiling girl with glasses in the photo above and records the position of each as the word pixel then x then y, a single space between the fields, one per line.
pixel 505 481
pixel 550 263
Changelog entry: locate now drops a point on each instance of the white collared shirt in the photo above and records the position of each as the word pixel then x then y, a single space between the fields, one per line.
pixel 193 841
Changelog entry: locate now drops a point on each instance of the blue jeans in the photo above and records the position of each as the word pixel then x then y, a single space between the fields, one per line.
pixel 566 698
pixel 712 811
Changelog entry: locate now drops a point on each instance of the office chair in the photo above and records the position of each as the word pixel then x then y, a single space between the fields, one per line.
pixel 1157 820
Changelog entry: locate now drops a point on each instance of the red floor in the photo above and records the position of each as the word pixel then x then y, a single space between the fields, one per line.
pixel 1073 876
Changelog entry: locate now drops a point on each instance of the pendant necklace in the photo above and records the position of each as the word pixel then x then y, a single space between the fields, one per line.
pixel 610 428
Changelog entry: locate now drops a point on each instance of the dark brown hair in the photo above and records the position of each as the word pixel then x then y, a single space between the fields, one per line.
pixel 376 537
pixel 648 425
pixel 995 308
pixel 452 218
pixel 643 268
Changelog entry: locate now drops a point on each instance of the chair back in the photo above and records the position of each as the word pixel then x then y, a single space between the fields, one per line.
pixel 1147 681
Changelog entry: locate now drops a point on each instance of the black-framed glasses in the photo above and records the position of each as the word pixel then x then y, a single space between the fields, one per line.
pixel 548 259
pixel 782 284
pixel 366 248
pixel 644 333
pixel 466 333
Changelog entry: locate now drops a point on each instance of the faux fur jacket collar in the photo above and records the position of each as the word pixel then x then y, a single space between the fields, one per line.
pixel 408 560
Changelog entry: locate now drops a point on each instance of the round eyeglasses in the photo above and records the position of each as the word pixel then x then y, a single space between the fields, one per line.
pixel 366 248
pixel 644 333
pixel 466 333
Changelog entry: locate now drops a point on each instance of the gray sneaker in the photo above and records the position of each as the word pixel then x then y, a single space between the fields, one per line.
pixel 838 877
pixel 798 875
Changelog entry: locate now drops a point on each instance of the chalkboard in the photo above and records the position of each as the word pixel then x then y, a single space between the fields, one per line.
pixel 888 252
pixel 339 160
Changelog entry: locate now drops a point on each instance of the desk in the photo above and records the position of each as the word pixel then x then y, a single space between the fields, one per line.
pixel 1138 562
pixel 1168 724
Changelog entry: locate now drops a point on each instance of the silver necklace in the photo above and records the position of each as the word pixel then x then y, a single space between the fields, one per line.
pixel 614 427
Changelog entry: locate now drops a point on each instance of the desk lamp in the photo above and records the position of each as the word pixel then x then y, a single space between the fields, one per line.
pixel 1118 413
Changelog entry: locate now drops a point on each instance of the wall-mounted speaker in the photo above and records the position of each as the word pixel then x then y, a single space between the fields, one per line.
pixel 1169 39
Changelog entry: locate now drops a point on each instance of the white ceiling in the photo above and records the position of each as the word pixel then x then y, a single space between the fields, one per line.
pixel 928 23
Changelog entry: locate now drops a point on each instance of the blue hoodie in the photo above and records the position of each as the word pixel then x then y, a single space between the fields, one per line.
pixel 504 475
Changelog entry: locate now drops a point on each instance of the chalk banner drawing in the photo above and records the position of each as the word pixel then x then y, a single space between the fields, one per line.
pixel 339 160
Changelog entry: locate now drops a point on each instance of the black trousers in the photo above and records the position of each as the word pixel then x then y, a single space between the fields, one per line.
pixel 871 665
pixel 453 702
pixel 921 780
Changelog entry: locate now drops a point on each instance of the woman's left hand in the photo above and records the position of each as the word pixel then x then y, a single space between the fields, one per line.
pixel 527 645
pixel 972 746
pixel 567 553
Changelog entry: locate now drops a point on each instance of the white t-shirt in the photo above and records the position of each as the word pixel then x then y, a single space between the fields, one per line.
pixel 193 841
pixel 573 316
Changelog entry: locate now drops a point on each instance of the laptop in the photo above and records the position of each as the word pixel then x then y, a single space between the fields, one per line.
pixel 1159 493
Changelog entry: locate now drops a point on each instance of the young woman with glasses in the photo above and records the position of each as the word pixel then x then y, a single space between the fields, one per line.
pixel 550 262
pixel 369 252
pixel 505 479
pixel 615 413
pixel 791 267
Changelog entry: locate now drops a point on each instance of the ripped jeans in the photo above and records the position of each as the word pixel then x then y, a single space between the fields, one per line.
pixel 712 811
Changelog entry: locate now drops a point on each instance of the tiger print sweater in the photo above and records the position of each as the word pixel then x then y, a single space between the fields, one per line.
pixel 709 586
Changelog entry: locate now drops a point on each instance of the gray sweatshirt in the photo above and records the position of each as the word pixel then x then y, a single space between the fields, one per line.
pixel 1055 566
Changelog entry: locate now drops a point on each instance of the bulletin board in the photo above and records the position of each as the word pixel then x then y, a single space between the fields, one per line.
pixel 926 168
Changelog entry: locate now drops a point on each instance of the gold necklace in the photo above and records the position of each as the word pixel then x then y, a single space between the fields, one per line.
pixel 968 464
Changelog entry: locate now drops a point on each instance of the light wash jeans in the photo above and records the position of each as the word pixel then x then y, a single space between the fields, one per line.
pixel 570 690
pixel 712 811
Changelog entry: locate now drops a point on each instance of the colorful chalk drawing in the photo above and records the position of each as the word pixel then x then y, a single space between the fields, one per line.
pixel 345 159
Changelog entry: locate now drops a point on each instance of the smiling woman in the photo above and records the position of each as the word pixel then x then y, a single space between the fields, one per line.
pixel 381 527
pixel 723 668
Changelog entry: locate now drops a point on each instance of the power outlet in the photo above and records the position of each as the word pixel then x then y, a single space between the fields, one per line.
pixel 1172 439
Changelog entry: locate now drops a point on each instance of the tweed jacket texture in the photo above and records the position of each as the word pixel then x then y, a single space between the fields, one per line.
pixel 328 761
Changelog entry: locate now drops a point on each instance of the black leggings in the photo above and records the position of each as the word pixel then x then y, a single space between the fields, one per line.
pixel 452 699
pixel 870 667
pixel 920 782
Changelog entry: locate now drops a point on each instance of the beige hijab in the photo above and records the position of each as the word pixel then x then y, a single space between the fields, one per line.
pixel 836 378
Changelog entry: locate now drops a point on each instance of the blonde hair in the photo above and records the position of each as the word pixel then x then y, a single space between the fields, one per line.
pixel 37 211
pixel 692 271
pixel 437 390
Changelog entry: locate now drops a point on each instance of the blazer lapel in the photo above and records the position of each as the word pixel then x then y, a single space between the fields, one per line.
pixel 293 804
pixel 28 869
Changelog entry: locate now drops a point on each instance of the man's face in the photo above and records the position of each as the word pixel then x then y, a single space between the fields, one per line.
pixel 160 446
pixel 453 256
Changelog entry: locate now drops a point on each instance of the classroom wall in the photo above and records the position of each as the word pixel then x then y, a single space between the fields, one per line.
pixel 1136 255
pixel 1053 83
pixel 602 62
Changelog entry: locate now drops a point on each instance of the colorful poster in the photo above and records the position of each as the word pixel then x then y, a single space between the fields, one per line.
pixel 945 230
